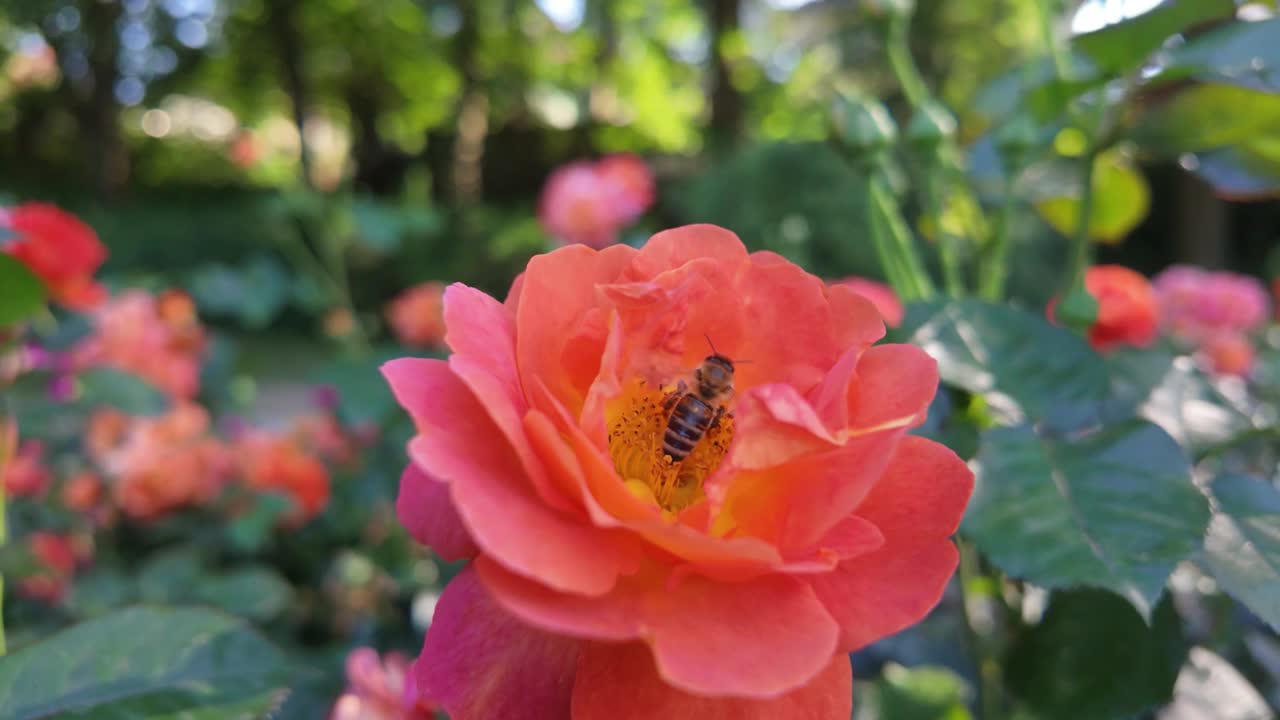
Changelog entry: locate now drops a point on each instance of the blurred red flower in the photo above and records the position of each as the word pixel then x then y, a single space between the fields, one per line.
pixel 82 492
pixel 589 203
pixel 611 581
pixel 25 474
pixel 880 295
pixel 1127 311
pixel 60 249
pixel 416 315
pixel 379 688
pixel 56 557
pixel 272 463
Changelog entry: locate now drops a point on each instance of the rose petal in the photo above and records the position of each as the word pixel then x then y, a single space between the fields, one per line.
pixel 483 330
pixel 620 682
pixel 672 248
pixel 479 663
pixel 556 341
pixel 758 638
pixel 858 323
pixel 459 445
pixel 425 508
pixel 895 384
pixel 917 505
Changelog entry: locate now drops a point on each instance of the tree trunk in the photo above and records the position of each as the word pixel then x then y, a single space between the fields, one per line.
pixel 1200 223
pixel 288 45
pixel 726 101
pixel 100 113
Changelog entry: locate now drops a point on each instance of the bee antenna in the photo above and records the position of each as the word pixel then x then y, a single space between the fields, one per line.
pixel 713 345
pixel 742 362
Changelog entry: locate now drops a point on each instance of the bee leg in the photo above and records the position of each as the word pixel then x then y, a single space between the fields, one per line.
pixel 674 396
pixel 715 419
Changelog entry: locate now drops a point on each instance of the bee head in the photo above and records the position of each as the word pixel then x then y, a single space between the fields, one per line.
pixel 715 376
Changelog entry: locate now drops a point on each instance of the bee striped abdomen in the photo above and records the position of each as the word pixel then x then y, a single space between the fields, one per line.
pixel 690 419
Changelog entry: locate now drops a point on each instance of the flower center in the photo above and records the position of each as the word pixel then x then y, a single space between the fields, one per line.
pixel 638 422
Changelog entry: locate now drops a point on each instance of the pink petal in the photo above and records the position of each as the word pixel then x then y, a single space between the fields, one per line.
pixel 620 682
pixel 482 330
pixel 923 493
pixel 759 638
pixel 460 446
pixel 672 248
pixel 425 508
pixel 479 663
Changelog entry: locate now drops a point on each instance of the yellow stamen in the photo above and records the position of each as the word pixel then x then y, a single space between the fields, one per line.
pixel 637 422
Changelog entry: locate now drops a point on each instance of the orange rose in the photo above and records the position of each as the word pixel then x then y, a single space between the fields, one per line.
pixel 280 464
pixel 611 579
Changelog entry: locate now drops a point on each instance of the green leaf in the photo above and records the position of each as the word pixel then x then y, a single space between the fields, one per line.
pixel 1121 199
pixel 1092 656
pixel 144 662
pixel 379 225
pixel 1247 172
pixel 1035 89
pixel 252 530
pixel 1114 508
pixel 170 576
pixel 1123 46
pixel 1176 395
pixel 1204 117
pixel 21 292
pixel 1024 366
pixel 123 391
pixel 920 693
pixel 1242 549
pixel 258 593
pixel 1240 53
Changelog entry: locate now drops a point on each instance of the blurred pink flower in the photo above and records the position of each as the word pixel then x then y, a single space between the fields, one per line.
pixel 379 689
pixel 416 315
pixel 56 557
pixel 588 203
pixel 1197 304
pixel 156 337
pixel 880 295
pixel 60 249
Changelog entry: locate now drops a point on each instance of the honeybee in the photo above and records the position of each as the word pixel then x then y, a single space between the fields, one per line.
pixel 692 414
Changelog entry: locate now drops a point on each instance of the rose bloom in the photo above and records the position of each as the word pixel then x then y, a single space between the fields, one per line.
pixel 589 203
pixel 157 338
pixel 1127 311
pixel 880 295
pixel 1197 304
pixel 57 556
pixel 271 463
pixel 608 580
pixel 379 689
pixel 1228 354
pixel 59 249
pixel 416 315
pixel 25 474
pixel 159 465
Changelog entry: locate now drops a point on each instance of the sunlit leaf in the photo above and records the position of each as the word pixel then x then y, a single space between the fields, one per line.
pixel 1242 549
pixel 1240 53
pixel 144 663
pixel 1114 508
pixel 1203 117
pixel 1024 366
pixel 1121 199
pixel 920 693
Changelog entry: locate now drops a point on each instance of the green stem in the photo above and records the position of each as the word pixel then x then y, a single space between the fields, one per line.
pixel 4 505
pixel 991 682
pixel 899 277
pixel 951 277
pixel 1081 243
pixel 1057 51
pixel 898 49
pixel 885 207
pixel 996 270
